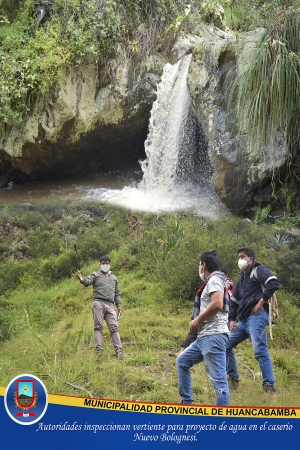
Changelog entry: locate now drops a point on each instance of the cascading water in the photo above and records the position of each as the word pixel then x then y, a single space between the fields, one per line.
pixel 168 124
pixel 177 171
pixel 177 161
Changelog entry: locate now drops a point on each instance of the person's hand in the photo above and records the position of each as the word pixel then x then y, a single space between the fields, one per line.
pixel 119 312
pixel 232 326
pixel 194 325
pixel 79 276
pixel 258 306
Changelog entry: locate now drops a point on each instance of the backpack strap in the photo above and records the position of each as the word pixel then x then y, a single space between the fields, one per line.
pixel 254 273
pixel 233 299
pixel 226 295
pixel 197 302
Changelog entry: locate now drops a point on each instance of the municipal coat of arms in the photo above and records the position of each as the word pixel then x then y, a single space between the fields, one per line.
pixel 25 397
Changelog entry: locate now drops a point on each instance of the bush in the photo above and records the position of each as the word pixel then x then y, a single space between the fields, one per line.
pixel 97 31
pixel 95 243
pixel 9 276
pixel 289 268
pixel 43 245
pixel 29 219
pixel 62 266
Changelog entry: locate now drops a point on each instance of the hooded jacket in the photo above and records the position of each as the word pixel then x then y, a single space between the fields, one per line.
pixel 249 291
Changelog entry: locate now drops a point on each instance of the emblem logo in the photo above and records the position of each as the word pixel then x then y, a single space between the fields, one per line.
pixel 28 394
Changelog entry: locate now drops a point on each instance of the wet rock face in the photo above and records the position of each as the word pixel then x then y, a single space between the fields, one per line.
pixel 104 149
pixel 8 174
pixel 81 127
pixel 4 181
pixel 238 171
pixel 213 59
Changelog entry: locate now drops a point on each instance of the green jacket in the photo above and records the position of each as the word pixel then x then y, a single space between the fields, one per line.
pixel 106 288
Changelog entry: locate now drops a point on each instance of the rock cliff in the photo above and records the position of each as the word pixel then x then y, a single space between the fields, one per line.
pixel 239 171
pixel 82 126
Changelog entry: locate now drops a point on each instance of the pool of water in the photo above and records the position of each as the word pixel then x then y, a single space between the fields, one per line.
pixel 120 188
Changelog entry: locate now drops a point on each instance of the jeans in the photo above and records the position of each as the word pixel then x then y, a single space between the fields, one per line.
pixel 255 328
pixel 105 311
pixel 211 350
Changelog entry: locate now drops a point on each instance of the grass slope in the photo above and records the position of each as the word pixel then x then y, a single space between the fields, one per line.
pixel 46 323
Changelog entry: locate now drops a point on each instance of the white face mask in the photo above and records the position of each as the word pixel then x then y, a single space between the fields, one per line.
pixel 242 263
pixel 201 275
pixel 105 267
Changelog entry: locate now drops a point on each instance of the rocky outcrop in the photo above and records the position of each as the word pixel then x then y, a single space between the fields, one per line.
pixel 239 171
pixel 82 127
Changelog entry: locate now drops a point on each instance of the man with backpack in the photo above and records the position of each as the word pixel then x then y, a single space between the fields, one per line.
pixel 250 304
pixel 211 324
pixel 229 282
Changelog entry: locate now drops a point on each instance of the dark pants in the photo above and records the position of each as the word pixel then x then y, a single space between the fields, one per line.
pixel 191 337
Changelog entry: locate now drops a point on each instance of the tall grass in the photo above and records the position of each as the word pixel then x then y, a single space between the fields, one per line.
pixel 46 325
pixel 266 94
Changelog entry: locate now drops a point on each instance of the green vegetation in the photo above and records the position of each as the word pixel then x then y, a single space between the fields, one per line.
pixel 251 14
pixel 266 94
pixel 45 314
pixel 100 32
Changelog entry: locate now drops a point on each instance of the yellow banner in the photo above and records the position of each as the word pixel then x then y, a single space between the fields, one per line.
pixel 167 408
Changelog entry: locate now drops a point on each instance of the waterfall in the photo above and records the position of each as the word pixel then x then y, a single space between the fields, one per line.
pixel 168 128
pixel 176 171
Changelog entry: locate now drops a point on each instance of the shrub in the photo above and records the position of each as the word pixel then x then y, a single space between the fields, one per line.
pixel 9 276
pixel 43 245
pixel 95 243
pixel 289 268
pixel 62 266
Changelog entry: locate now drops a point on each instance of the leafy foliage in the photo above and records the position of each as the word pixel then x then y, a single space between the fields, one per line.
pixel 289 265
pixel 262 213
pixel 268 90
pixel 251 14
pixel 96 32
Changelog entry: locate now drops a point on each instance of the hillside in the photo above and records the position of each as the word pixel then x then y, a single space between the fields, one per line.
pixel 45 314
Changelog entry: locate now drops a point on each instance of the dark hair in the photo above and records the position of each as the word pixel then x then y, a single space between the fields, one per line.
pixel 225 271
pixel 249 252
pixel 105 258
pixel 211 258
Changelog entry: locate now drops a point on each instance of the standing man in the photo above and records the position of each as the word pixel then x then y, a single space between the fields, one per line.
pixel 250 304
pixel 106 295
pixel 212 327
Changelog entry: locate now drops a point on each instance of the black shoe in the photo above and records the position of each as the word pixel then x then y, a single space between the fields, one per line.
pixel 268 388
pixel 233 383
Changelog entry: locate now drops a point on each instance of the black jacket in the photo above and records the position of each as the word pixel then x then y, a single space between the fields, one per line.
pixel 249 291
